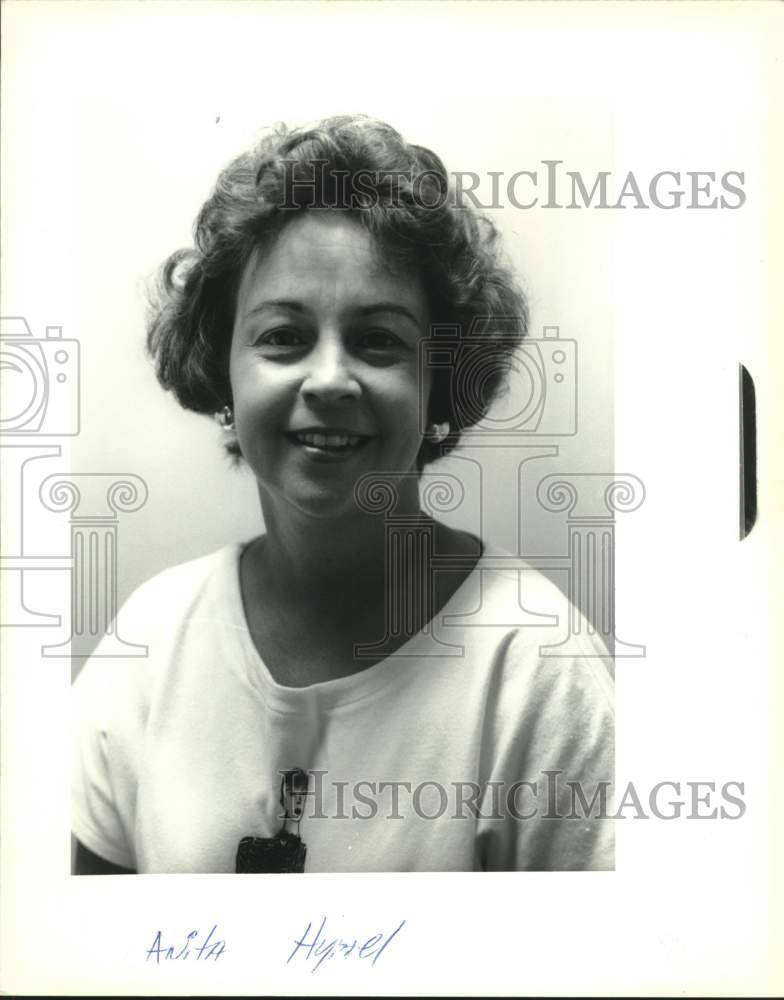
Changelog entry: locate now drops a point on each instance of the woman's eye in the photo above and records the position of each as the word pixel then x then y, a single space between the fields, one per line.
pixel 282 337
pixel 380 340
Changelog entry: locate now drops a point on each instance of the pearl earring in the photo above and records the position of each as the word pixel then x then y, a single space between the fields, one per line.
pixel 225 418
pixel 437 432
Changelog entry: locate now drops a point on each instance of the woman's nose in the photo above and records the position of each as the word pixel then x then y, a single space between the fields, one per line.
pixel 330 376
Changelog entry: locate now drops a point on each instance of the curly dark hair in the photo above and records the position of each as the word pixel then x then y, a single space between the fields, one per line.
pixel 403 197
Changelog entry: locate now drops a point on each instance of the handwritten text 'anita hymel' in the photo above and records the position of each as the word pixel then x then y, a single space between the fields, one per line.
pixel 321 946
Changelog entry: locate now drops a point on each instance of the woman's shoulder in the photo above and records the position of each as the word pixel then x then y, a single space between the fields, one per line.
pixel 502 587
pixel 541 653
pixel 537 618
pixel 513 582
pixel 152 621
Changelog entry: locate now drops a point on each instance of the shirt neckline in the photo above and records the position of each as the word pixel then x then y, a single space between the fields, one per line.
pixel 341 690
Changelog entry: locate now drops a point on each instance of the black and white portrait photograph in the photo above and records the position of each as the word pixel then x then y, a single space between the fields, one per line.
pixel 389 529
pixel 347 317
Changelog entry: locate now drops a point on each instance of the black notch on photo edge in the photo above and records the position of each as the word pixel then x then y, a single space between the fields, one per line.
pixel 748 453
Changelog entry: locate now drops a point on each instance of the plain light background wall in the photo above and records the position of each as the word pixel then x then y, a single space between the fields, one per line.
pixel 140 175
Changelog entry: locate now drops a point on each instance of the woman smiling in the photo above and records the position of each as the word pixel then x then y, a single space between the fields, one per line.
pixel 278 700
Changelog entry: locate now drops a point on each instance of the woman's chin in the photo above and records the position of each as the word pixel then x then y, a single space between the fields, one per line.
pixel 325 505
pixel 339 499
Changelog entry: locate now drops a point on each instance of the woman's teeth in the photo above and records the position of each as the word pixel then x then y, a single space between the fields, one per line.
pixel 328 440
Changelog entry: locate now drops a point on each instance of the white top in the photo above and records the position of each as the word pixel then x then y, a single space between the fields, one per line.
pixel 180 755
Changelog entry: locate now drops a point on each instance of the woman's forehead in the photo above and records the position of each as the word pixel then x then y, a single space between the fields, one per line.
pixel 325 256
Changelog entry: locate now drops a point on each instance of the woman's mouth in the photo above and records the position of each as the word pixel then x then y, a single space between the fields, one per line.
pixel 328 442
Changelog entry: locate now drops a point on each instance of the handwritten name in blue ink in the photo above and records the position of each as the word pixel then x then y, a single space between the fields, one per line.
pixel 211 947
pixel 319 947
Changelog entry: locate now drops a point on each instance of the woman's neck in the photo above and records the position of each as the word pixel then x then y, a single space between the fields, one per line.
pixel 329 559
pixel 313 591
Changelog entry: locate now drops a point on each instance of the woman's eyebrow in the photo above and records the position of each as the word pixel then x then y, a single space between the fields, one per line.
pixel 388 307
pixel 367 310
